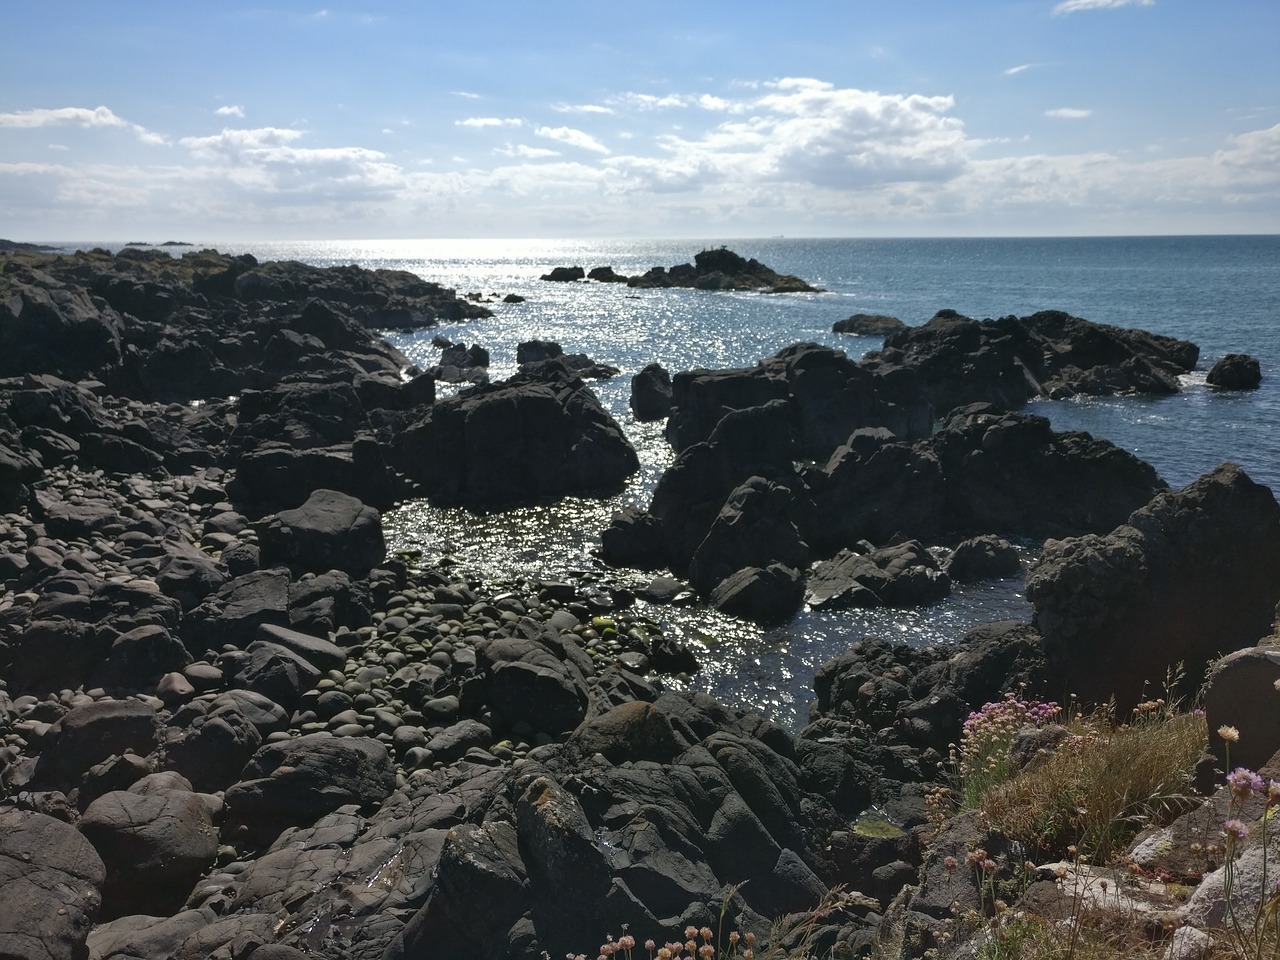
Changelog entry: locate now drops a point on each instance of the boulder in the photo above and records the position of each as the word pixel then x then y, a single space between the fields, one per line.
pixel 213 748
pixel 155 846
pixel 1192 575
pixel 868 325
pixel 52 880
pixel 1235 371
pixel 1241 692
pixel 292 782
pixel 756 527
pixel 90 733
pixel 902 575
pixel 524 440
pixel 767 596
pixel 983 558
pixel 331 531
pixel 651 393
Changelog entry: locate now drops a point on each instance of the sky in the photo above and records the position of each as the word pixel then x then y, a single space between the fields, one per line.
pixel 153 121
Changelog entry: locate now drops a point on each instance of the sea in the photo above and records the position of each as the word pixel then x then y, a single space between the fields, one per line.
pixel 1221 292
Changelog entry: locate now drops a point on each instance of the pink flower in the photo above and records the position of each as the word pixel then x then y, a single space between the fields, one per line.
pixel 1244 782
pixel 1235 830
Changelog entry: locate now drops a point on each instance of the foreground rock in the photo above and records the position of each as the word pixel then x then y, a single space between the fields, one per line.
pixel 52 880
pixel 1192 575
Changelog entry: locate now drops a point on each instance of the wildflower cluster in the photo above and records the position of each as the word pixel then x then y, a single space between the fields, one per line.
pixel 698 944
pixel 982 757
pixel 1250 925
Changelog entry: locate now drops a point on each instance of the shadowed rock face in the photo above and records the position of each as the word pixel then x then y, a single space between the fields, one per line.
pixel 525 440
pixel 1192 575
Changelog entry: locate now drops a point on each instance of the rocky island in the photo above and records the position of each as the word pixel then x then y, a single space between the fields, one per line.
pixel 719 269
pixel 234 726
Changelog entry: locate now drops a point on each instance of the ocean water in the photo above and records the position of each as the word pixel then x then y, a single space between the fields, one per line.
pixel 1221 292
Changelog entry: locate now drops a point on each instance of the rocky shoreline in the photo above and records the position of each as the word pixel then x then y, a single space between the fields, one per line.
pixel 233 725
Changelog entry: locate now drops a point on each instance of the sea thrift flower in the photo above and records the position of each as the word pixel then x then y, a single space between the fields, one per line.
pixel 1229 734
pixel 1244 782
pixel 1235 830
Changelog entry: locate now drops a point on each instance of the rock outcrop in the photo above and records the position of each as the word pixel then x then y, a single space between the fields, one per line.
pixel 1189 577
pixel 1008 361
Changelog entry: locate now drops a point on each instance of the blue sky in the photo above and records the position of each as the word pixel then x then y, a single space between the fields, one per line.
pixel 243 121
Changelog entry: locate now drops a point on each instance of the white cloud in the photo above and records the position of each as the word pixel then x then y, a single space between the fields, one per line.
pixel 580 108
pixel 1068 113
pixel 77 117
pixel 63 116
pixel 647 101
pixel 466 95
pixel 1014 71
pixel 527 152
pixel 230 110
pixel 572 137
pixel 1075 6
pixel 489 122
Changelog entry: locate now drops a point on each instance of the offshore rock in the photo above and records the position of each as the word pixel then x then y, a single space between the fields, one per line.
pixel 868 325
pixel 1192 575
pixel 1235 371
pixel 1008 361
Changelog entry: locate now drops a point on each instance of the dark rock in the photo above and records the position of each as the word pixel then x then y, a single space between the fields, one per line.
pixel 1193 574
pixel 522 441
pixel 1235 371
pixel 233 614
pixel 605 275
pixel 754 528
pixel 52 880
pixel 321 654
pixel 532 351
pixel 154 846
pixel 565 274
pixel 454 741
pixel 868 325
pixel 1240 692
pixel 52 655
pixel 651 393
pixel 145 937
pixel 541 682
pixel 903 575
pixel 331 531
pixel 214 748
pixel 983 558
pixel 276 672
pixel 765 596
pixel 1008 361
pixel 292 782
pixel 91 733
pixel 140 657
